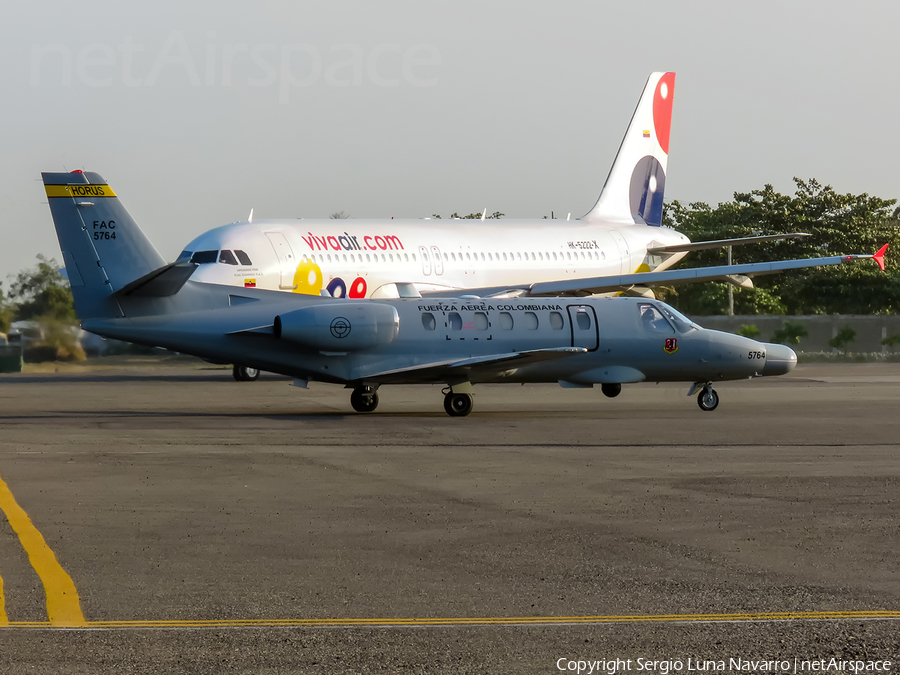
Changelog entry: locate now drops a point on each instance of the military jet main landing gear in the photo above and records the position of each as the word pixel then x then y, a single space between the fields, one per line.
pixel 245 373
pixel 708 399
pixel 364 398
pixel 458 405
pixel 611 390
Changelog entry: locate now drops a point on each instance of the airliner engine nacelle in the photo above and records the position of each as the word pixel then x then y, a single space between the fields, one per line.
pixel 340 327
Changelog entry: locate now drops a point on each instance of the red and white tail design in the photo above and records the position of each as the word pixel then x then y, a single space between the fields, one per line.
pixel 634 189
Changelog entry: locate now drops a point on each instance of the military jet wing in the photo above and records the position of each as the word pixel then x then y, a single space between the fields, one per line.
pixel 481 366
pixel 736 274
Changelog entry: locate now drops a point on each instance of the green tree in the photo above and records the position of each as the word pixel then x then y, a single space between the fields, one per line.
pixel 838 224
pixel 790 333
pixel 43 291
pixel 892 340
pixel 842 340
pixel 749 331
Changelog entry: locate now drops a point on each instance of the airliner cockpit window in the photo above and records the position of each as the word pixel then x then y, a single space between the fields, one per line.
pixel 243 257
pixel 653 320
pixel 227 257
pixel 204 257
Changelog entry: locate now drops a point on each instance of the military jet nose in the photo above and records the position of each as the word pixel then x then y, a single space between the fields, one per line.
pixel 780 360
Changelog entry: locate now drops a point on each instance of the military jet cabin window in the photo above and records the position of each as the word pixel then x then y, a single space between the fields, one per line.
pixel 556 321
pixel 506 321
pixel 481 321
pixel 653 320
pixel 242 257
pixel 428 321
pixel 455 321
pixel 582 320
pixel 530 320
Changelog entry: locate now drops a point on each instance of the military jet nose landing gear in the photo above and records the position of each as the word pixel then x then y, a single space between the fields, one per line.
pixel 245 373
pixel 458 405
pixel 708 399
pixel 364 398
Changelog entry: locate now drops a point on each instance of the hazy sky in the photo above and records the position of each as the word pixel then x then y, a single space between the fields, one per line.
pixel 196 112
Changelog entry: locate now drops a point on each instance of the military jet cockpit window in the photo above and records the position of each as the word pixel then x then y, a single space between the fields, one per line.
pixel 428 321
pixel 679 320
pixel 653 320
pixel 243 257
pixel 227 257
pixel 203 257
pixel 184 257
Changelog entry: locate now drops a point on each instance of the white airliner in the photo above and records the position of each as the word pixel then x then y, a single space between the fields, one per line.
pixel 368 258
pixel 619 246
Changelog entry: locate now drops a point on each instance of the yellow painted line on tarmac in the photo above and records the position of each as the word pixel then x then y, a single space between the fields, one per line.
pixel 63 606
pixel 4 620
pixel 470 621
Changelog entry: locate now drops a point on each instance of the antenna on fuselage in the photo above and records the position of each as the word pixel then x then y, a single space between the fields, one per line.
pixel 483 214
pixel 250 217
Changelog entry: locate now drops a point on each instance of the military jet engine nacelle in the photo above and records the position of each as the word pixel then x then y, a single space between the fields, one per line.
pixel 340 326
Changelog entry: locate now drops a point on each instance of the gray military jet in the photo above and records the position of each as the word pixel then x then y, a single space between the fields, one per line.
pixel 123 289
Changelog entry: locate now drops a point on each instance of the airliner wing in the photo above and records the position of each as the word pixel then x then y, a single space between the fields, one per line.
pixel 478 366
pixel 736 274
pixel 719 243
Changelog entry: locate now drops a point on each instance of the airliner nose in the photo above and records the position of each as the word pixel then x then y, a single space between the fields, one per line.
pixel 780 360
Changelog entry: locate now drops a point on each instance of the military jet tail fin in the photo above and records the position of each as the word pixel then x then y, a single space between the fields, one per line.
pixel 103 248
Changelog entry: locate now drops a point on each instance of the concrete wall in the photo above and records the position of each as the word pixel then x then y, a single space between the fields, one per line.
pixel 870 330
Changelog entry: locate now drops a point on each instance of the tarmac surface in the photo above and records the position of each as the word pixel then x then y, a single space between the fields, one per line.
pixel 173 520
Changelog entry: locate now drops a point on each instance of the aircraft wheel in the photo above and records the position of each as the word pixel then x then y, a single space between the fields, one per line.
pixel 458 405
pixel 708 399
pixel 611 390
pixel 245 373
pixel 364 399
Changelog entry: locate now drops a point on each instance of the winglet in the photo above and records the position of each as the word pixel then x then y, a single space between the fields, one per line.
pixel 879 257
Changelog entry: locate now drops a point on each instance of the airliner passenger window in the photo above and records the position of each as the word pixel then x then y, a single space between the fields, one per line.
pixel 227 257
pixel 556 321
pixel 653 321
pixel 481 321
pixel 203 257
pixel 243 257
pixel 506 321
pixel 530 320
pixel 455 321
pixel 428 321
